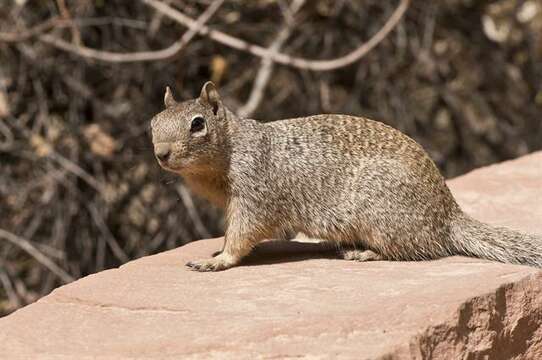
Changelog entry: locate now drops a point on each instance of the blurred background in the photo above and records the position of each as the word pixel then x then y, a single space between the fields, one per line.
pixel 80 190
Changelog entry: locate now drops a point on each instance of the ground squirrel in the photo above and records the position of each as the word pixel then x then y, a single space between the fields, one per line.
pixel 353 181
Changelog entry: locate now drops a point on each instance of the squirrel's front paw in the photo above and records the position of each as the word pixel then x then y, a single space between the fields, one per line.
pixel 218 263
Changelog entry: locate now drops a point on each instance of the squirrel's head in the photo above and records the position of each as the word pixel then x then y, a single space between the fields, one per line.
pixel 190 135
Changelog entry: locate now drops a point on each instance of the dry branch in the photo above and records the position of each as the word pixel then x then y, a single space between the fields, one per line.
pixel 113 243
pixel 29 33
pixel 297 62
pixel 8 288
pixel 198 26
pixel 117 57
pixel 193 212
pixel 65 13
pixel 36 254
pixel 266 66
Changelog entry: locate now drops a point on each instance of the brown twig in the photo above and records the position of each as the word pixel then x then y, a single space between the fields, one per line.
pixel 65 13
pixel 266 67
pixel 198 26
pixel 107 235
pixel 156 22
pixel 36 254
pixel 192 212
pixel 66 163
pixel 9 289
pixel 116 57
pixel 7 142
pixel 56 22
pixel 297 62
pixel 29 33
pixel 76 170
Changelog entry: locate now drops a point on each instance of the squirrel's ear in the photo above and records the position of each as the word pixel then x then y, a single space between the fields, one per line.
pixel 209 95
pixel 168 98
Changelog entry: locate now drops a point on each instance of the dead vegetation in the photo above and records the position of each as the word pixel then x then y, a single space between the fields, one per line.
pixel 79 81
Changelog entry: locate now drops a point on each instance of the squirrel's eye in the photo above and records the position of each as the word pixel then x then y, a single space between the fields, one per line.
pixel 198 124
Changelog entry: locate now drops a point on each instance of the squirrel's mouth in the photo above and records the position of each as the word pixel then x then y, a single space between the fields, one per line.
pixel 167 165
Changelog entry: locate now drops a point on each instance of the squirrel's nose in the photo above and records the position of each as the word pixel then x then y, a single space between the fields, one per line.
pixel 162 151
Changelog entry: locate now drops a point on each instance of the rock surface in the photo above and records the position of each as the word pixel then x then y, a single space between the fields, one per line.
pixel 294 300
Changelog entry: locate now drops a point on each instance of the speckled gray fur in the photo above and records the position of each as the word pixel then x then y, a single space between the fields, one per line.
pixel 353 181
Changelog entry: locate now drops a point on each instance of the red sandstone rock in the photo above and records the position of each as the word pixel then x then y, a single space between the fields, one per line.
pixel 286 302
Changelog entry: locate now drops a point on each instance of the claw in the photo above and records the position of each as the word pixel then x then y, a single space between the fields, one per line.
pixel 214 264
pixel 360 255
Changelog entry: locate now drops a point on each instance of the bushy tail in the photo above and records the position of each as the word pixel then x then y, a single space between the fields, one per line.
pixel 476 239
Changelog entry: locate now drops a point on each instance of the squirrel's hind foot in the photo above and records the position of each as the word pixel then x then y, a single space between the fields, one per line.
pixel 360 255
